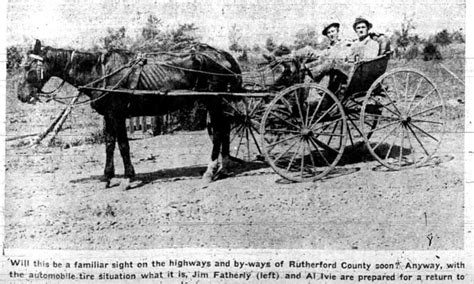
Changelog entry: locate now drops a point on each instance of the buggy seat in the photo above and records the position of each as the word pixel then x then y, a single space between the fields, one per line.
pixel 364 73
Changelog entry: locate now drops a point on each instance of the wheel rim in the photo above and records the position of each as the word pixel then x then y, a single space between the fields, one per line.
pixel 303 132
pixel 411 119
pixel 245 116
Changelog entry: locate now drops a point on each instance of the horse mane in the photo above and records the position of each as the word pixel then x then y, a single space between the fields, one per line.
pixel 60 58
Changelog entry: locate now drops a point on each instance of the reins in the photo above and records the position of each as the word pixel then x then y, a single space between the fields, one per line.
pixel 135 62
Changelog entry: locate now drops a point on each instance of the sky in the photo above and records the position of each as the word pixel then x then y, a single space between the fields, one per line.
pixel 81 23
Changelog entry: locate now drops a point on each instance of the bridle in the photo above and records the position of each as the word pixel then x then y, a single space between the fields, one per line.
pixel 39 70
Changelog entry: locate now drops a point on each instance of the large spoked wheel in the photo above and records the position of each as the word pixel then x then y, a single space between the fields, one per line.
pixel 352 108
pixel 411 119
pixel 303 132
pixel 244 116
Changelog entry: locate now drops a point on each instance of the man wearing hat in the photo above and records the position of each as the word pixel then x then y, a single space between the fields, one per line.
pixel 365 47
pixel 338 50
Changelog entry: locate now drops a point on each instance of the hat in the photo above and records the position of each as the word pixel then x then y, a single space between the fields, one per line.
pixel 359 20
pixel 327 26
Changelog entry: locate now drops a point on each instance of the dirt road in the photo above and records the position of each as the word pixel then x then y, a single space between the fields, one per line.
pixel 56 200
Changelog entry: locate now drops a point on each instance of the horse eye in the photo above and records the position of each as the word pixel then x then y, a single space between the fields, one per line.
pixel 31 77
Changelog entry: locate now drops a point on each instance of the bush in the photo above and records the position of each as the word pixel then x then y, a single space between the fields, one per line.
pixel 411 52
pixel 116 39
pixel 430 52
pixel 14 58
pixel 442 38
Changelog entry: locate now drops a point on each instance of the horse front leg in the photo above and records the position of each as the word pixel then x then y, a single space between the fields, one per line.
pixel 124 148
pixel 109 132
pixel 213 166
pixel 220 141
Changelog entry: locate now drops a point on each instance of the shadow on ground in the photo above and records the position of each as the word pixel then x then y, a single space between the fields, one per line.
pixel 181 173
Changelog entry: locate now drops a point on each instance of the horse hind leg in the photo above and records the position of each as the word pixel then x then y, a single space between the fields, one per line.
pixel 220 144
pixel 124 147
pixel 109 132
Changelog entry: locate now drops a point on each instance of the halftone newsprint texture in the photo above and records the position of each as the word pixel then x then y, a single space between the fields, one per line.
pixel 254 141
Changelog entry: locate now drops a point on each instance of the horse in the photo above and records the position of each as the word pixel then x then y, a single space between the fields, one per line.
pixel 199 68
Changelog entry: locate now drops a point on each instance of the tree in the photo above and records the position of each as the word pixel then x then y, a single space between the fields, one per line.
pixel 14 58
pixel 116 39
pixel 442 38
pixel 458 36
pixel 182 36
pixel 306 37
pixel 235 35
pixel 151 30
pixel 402 37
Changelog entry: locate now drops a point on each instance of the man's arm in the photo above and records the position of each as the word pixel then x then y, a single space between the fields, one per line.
pixel 371 50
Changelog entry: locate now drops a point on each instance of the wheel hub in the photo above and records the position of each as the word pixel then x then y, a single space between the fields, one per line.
pixel 406 120
pixel 306 132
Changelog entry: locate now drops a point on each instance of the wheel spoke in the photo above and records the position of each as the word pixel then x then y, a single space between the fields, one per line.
pixel 391 146
pixel 328 134
pixel 284 120
pixel 293 157
pixel 422 99
pixel 311 155
pixel 424 132
pixel 232 106
pixel 414 94
pixel 248 142
pixel 355 126
pixel 252 112
pixel 427 121
pixel 236 132
pixel 412 150
pixel 317 108
pixel 383 127
pixel 282 130
pixel 324 114
pixel 286 151
pixel 333 130
pixel 385 137
pixel 255 141
pixel 325 126
pixel 396 83
pixel 426 110
pixel 407 84
pixel 319 151
pixel 382 116
pixel 397 111
pixel 350 136
pixel 324 145
pixel 401 147
pixel 302 157
pixel 238 146
pixel 307 114
pixel 299 108
pixel 417 139
pixel 283 140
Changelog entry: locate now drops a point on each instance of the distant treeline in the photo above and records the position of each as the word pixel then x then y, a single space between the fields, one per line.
pixel 153 36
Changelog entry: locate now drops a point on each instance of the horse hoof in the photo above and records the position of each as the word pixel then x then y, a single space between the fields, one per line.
pixel 207 177
pixel 107 184
pixel 126 184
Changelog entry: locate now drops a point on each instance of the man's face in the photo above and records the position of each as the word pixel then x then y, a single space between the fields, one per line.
pixel 333 34
pixel 361 30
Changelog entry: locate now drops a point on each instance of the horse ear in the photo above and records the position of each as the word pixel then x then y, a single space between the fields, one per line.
pixel 37 48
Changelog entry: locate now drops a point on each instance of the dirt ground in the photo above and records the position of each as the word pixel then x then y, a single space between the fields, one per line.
pixel 55 199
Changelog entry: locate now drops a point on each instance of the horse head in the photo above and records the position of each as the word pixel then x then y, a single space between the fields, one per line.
pixel 42 63
pixel 37 70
